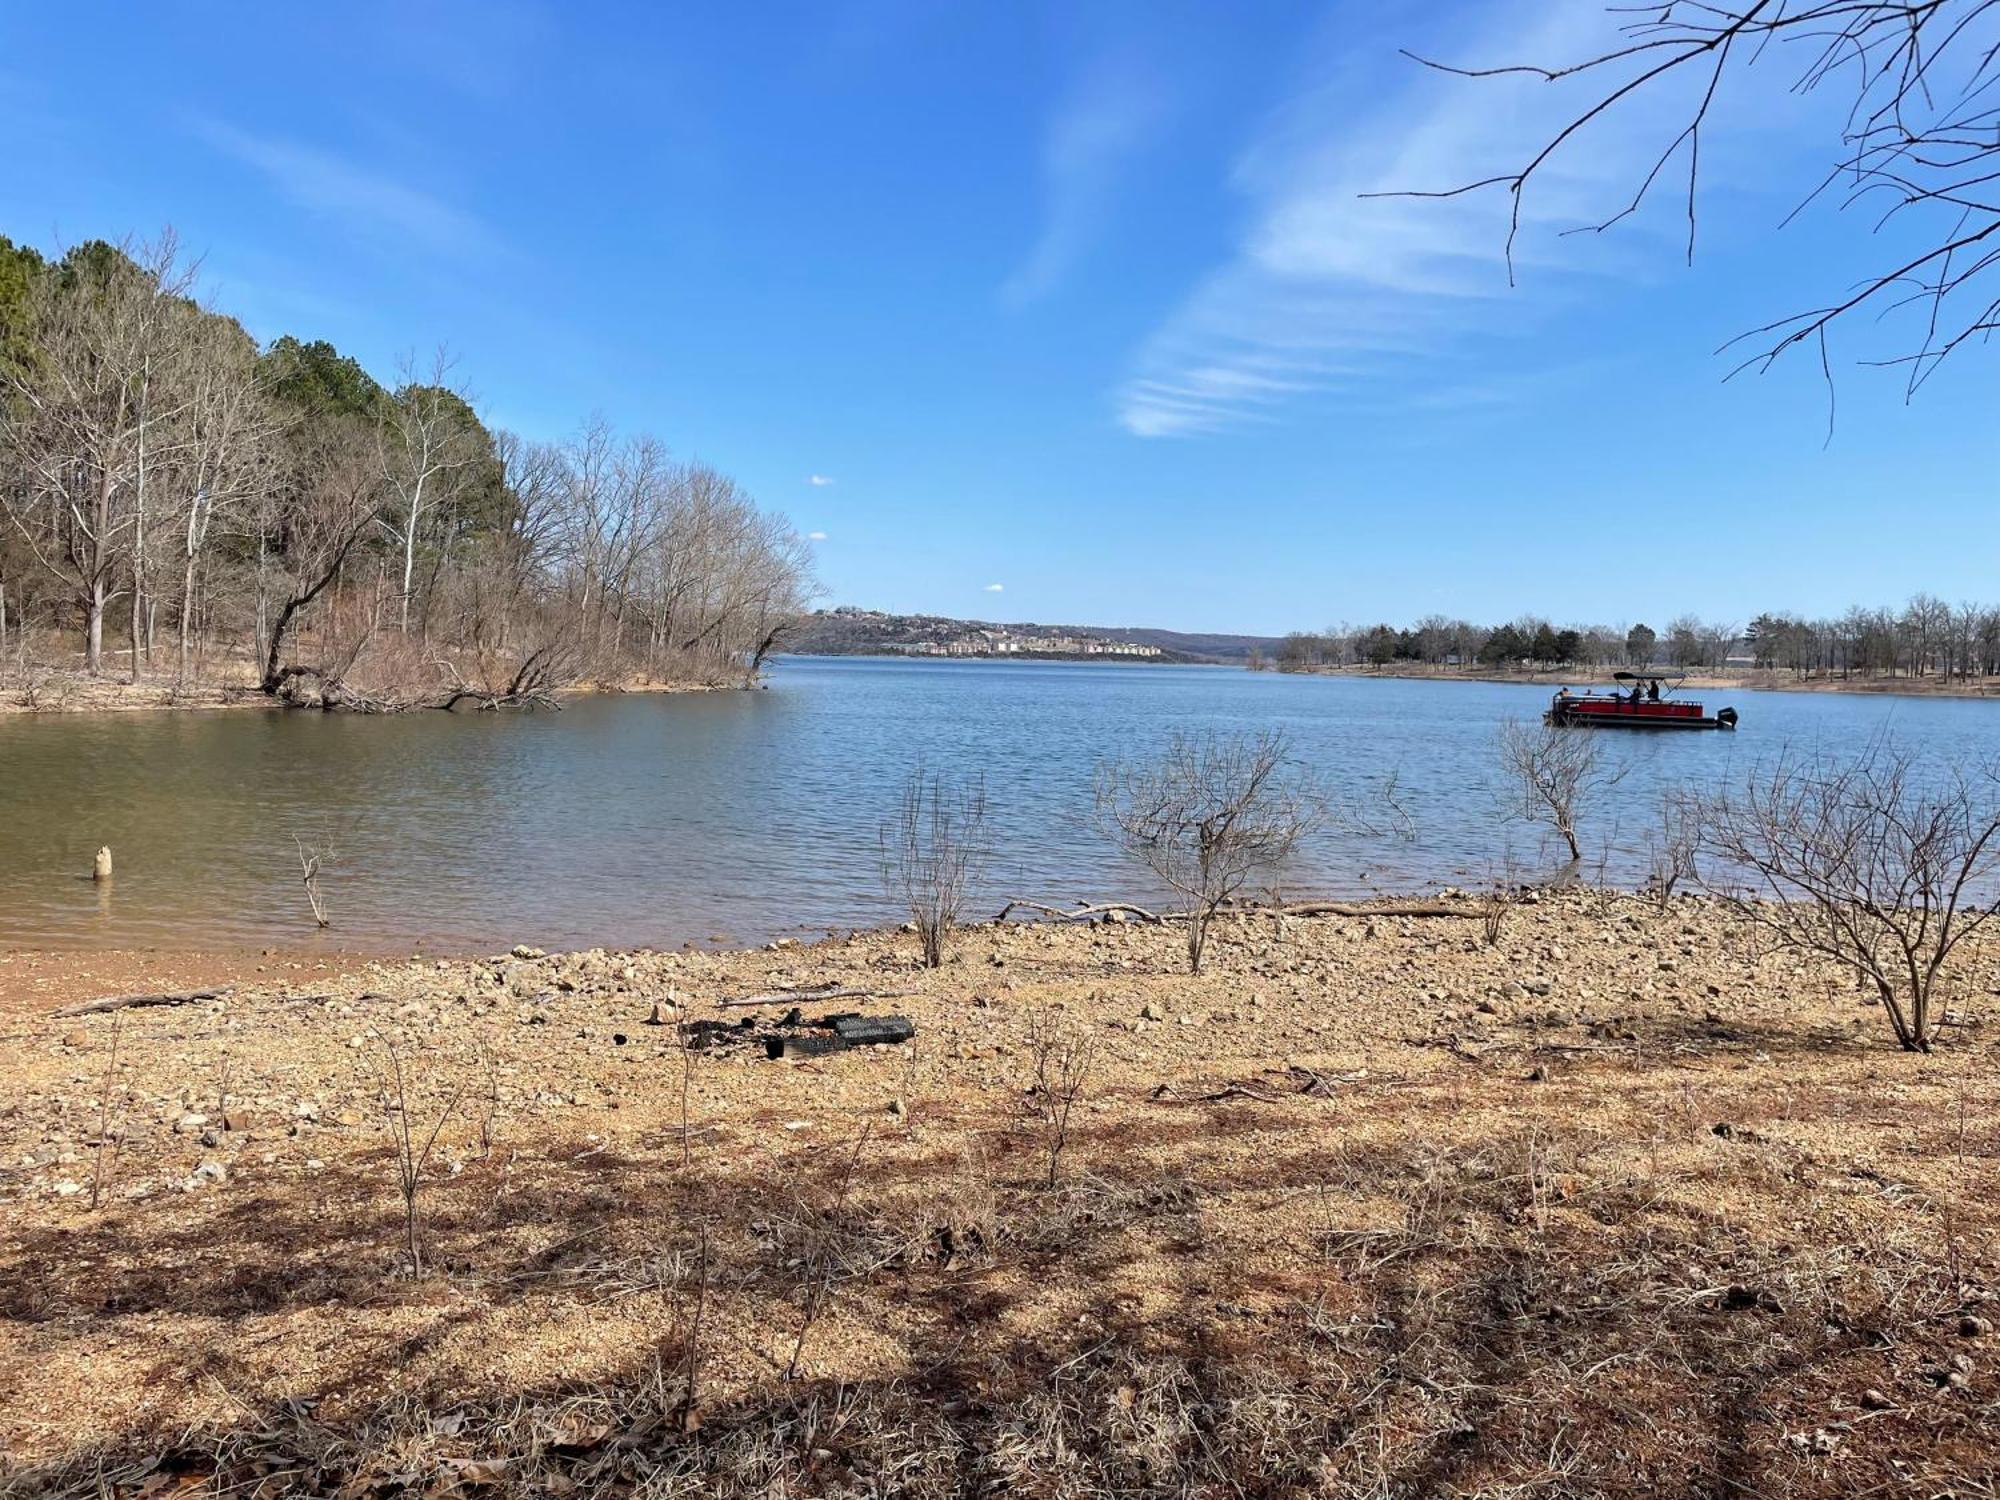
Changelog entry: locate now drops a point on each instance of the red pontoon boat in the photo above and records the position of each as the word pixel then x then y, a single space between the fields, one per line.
pixel 1640 706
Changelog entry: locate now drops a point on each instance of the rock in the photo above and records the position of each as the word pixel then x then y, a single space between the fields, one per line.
pixel 190 1123
pixel 210 1139
pixel 898 1109
pixel 1150 1012
pixel 1874 1400
pixel 1487 1008
pixel 68 1189
pixel 522 950
pixel 76 1039
pixel 1971 1326
pixel 210 1171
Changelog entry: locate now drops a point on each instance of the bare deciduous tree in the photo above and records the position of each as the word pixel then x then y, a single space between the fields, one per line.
pixel 1209 815
pixel 1556 770
pixel 1917 144
pixel 1882 863
pixel 934 853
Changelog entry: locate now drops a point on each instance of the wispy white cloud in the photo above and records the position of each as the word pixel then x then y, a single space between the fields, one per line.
pixel 1328 286
pixel 1111 113
pixel 995 588
pixel 815 536
pixel 818 481
pixel 360 197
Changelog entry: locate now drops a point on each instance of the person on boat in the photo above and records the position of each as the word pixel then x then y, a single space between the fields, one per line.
pixel 1653 690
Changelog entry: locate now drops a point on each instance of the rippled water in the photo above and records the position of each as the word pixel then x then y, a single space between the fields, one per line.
pixel 658 820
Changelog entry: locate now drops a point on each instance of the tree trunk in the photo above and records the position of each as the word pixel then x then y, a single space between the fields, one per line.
pixel 187 612
pixel 94 629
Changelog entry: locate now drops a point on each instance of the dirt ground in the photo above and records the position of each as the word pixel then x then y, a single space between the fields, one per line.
pixel 1371 1208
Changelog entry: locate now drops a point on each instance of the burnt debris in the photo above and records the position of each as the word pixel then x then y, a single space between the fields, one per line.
pixel 793 1035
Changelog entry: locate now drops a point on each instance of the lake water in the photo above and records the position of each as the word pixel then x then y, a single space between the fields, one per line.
pixel 741 816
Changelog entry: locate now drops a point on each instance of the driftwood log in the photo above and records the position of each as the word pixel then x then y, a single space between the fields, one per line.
pixel 134 1002
pixel 1300 909
pixel 813 993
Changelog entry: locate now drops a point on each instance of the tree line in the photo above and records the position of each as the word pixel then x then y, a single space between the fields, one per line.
pixel 1926 637
pixel 178 502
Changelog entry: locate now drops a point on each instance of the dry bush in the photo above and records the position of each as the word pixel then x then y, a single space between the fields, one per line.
pixel 1059 1059
pixel 1673 850
pixel 1882 864
pixel 934 853
pixel 412 1152
pixel 1556 771
pixel 1209 815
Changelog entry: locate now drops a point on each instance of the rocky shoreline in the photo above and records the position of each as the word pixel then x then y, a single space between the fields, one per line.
pixel 1370 1200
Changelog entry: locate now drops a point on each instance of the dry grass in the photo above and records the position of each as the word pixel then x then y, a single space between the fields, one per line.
pixel 1577 1246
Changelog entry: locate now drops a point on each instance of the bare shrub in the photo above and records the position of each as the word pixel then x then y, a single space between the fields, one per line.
pixel 1875 864
pixel 1208 816
pixel 822 1260
pixel 412 1155
pixel 1673 849
pixel 1503 894
pixel 1059 1058
pixel 933 854
pixel 1556 771
pixel 104 1170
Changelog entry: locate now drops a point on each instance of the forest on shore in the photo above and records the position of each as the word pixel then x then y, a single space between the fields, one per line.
pixel 1926 638
pixel 179 503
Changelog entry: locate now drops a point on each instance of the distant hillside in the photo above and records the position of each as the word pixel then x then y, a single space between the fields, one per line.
pixel 859 632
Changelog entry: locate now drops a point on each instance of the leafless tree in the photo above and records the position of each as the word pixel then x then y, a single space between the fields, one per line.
pixel 426 449
pixel 1882 863
pixel 80 416
pixel 1209 815
pixel 934 853
pixel 317 521
pixel 1917 142
pixel 1556 771
pixel 1059 1057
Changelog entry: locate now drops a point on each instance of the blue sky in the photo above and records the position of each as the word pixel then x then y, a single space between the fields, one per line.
pixel 1081 301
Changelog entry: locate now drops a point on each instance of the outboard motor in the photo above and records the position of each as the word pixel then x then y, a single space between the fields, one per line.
pixel 1725 718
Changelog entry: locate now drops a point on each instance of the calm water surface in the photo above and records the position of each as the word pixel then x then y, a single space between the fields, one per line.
pixel 659 820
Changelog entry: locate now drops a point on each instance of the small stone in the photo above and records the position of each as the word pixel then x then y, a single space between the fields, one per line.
pixel 522 950
pixel 1972 1326
pixel 898 1109
pixel 189 1124
pixel 76 1039
pixel 1150 1012
pixel 663 1014
pixel 1874 1400
pixel 210 1171
pixel 210 1139
pixel 68 1189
